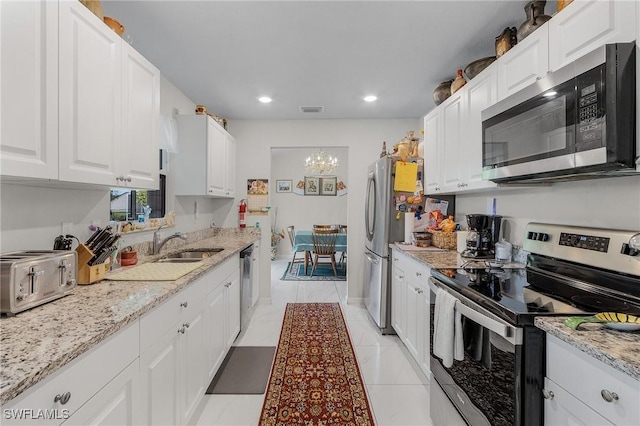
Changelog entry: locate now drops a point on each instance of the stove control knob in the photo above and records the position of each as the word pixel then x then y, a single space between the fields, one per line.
pixel 542 236
pixel 533 235
pixel 530 235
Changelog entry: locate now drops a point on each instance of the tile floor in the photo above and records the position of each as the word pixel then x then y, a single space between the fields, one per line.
pixel 398 391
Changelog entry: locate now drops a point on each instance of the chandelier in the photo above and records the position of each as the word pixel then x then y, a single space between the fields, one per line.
pixel 321 163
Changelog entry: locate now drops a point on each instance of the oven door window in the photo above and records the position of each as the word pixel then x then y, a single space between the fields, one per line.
pixel 539 128
pixel 487 373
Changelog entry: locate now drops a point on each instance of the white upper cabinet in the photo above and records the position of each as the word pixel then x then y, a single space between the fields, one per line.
pixel 92 101
pixel 452 123
pixel 205 164
pixel 90 97
pixel 583 26
pixel 525 63
pixel 29 111
pixel 432 163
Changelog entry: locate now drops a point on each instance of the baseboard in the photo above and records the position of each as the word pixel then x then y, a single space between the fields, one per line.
pixel 355 301
pixel 264 301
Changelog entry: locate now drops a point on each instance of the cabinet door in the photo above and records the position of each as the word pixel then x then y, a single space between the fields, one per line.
pixel 480 93
pixel 432 134
pixel 398 318
pixel 411 313
pixel 215 335
pixel 90 97
pixel 159 385
pixel 216 160
pixel 424 330
pixel 452 113
pixel 115 404
pixel 232 286
pixel 565 409
pixel 138 154
pixel 230 166
pixel 29 111
pixel 585 25
pixel 193 363
pixel 525 63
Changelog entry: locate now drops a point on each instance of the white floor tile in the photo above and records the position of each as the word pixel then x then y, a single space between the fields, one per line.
pixel 400 405
pixel 396 389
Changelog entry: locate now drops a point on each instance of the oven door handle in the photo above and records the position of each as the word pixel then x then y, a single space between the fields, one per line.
pixel 508 332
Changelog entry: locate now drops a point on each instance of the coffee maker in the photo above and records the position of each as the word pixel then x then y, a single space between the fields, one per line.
pixel 484 232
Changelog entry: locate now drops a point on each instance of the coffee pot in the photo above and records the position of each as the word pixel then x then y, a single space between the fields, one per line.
pixel 484 231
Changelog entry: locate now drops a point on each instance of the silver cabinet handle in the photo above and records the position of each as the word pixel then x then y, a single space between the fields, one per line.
pixel 186 325
pixel 418 274
pixel 181 331
pixel 401 277
pixel 62 398
pixel 420 291
pixel 184 304
pixel 608 395
pixel 547 394
pixel 128 179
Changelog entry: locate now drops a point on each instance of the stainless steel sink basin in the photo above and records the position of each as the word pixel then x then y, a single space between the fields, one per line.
pixel 179 260
pixel 194 254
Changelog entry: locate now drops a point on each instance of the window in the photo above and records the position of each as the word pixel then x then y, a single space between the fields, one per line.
pixel 127 204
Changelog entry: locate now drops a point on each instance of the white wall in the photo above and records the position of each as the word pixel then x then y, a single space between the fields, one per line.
pixel 299 210
pixel 602 203
pixel 364 138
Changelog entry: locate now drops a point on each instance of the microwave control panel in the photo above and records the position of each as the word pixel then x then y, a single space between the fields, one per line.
pixel 591 117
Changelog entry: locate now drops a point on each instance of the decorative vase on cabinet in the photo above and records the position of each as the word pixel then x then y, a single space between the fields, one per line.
pixel 535 18
pixel 442 92
pixel 458 82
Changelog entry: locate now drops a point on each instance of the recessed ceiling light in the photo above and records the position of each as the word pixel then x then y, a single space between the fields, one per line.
pixel 370 98
pixel 264 99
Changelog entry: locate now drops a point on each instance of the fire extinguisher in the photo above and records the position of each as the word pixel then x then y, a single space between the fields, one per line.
pixel 243 211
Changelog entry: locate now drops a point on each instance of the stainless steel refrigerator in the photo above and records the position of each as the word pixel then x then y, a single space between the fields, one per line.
pixel 381 228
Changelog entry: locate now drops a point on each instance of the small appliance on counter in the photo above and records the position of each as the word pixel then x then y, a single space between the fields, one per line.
pixel 484 231
pixel 33 277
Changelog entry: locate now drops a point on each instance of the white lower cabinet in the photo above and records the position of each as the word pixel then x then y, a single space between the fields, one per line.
pixel 97 386
pixel 410 306
pixel 177 368
pixel 581 390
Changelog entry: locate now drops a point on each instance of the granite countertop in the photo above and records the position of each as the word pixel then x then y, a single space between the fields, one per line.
pixel 619 349
pixel 37 342
pixel 441 259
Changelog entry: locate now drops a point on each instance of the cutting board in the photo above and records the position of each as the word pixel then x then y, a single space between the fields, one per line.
pixel 155 272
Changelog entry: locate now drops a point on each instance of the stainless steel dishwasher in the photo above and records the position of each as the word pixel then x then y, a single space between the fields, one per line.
pixel 246 286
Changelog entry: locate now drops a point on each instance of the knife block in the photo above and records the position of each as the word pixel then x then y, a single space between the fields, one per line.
pixel 89 274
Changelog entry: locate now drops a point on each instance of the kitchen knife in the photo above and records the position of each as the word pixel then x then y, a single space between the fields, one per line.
pixel 93 237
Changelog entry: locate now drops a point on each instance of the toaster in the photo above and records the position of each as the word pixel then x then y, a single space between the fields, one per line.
pixel 30 278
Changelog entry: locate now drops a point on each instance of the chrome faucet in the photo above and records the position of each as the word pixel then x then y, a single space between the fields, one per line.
pixel 157 244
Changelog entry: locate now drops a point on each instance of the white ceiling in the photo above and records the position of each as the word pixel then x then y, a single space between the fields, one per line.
pixel 225 54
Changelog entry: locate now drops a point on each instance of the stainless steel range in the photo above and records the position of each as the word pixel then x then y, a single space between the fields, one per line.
pixel 33 277
pixel 570 270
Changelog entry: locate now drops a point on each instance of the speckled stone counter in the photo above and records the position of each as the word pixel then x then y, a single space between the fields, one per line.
pixel 437 259
pixel 37 342
pixel 619 349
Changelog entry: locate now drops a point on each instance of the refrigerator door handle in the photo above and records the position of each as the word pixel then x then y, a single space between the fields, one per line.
pixel 373 259
pixel 371 188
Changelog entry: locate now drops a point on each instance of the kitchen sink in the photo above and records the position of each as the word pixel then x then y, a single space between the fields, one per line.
pixel 179 260
pixel 193 254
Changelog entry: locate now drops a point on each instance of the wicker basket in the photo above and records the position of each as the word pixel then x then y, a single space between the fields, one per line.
pixel 445 240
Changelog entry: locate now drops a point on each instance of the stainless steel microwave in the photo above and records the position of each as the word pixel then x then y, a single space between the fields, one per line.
pixel 577 122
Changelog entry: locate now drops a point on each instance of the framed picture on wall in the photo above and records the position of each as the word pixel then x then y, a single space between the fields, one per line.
pixel 311 185
pixel 283 185
pixel 328 185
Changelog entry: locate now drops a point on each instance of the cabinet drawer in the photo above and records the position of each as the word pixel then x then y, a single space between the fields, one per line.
pixel 81 379
pixel 155 323
pixel 586 377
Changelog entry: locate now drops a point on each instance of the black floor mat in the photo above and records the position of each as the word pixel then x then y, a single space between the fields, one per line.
pixel 245 370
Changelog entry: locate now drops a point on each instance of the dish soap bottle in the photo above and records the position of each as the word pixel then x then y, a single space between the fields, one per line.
pixel 458 82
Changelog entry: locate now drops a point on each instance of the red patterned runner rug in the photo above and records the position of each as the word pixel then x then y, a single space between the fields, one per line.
pixel 315 379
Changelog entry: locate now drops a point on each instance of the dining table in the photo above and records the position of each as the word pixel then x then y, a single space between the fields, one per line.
pixel 303 240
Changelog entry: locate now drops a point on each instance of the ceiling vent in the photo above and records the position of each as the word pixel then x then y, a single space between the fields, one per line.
pixel 311 109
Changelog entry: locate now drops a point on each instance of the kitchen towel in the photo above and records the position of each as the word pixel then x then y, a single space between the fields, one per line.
pixel 447 329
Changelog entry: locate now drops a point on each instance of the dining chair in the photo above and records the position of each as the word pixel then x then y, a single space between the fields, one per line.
pixel 291 231
pixel 324 247
pixel 343 257
pixel 323 227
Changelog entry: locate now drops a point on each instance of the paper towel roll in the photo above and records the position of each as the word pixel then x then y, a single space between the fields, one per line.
pixel 408 226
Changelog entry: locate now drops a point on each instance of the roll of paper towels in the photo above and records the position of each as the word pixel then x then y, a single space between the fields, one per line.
pixel 461 241
pixel 409 218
